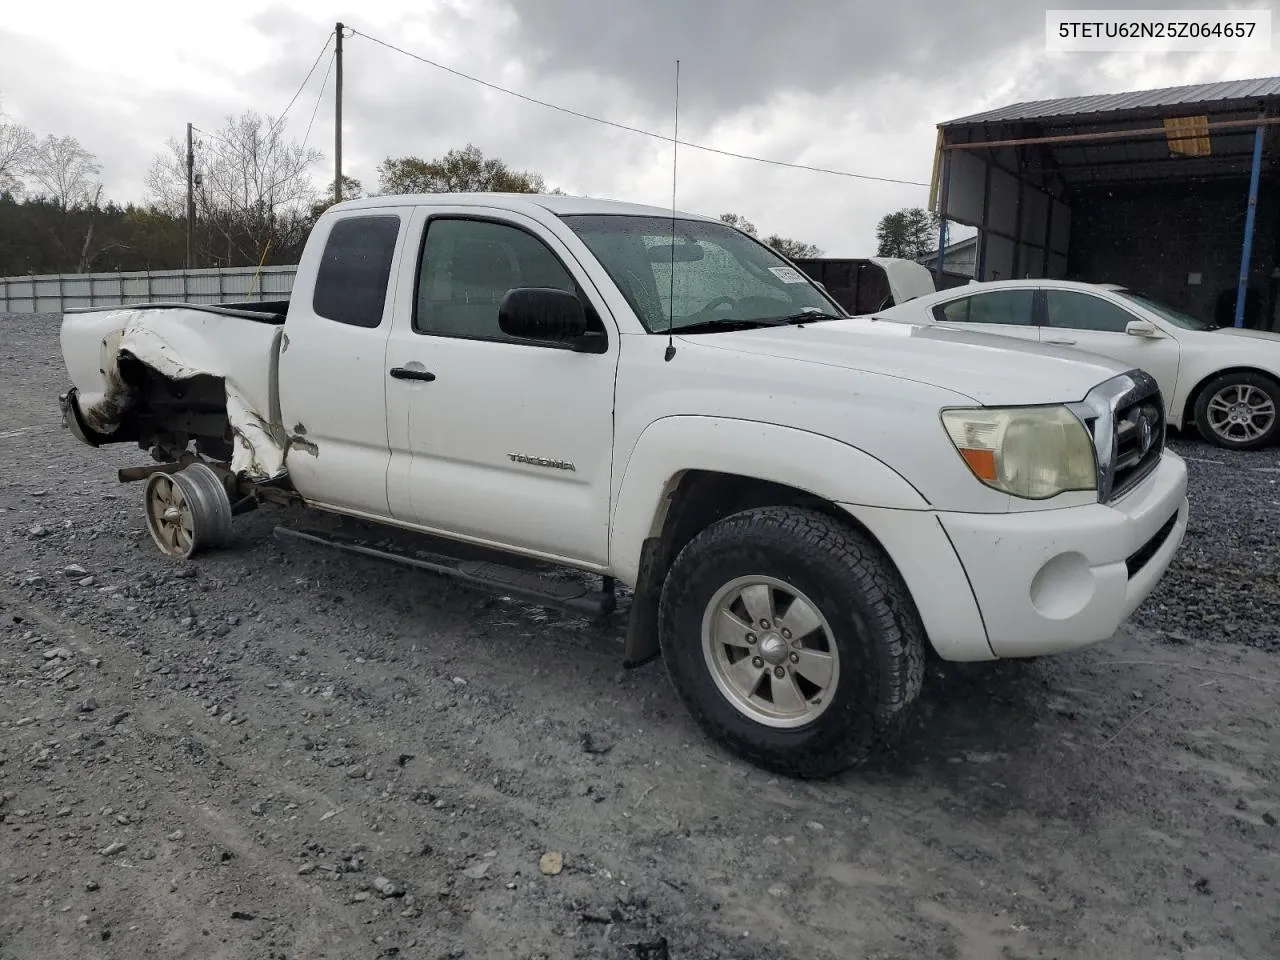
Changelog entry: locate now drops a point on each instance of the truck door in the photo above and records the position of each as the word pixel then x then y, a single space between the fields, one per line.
pixel 497 440
pixel 332 376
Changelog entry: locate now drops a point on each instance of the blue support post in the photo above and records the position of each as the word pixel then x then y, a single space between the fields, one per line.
pixel 1247 251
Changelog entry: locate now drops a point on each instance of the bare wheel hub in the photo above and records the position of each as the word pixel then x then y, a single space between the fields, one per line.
pixel 774 649
pixel 770 651
pixel 187 511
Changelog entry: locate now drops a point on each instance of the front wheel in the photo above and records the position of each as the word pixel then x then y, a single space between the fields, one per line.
pixel 792 640
pixel 1239 411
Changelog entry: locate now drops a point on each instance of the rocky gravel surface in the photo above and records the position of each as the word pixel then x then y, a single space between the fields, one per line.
pixel 276 752
pixel 1225 583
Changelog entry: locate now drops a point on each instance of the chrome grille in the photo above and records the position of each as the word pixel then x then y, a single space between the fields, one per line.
pixel 1127 419
pixel 1140 432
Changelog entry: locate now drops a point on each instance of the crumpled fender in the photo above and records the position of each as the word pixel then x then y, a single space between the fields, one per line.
pixel 180 344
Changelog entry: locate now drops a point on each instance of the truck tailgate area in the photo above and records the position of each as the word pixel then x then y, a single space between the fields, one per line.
pixel 180 343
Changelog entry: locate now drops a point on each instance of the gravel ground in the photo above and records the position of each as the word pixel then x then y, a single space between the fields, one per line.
pixel 1225 583
pixel 282 753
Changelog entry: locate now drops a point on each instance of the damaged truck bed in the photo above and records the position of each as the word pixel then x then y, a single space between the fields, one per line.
pixel 165 375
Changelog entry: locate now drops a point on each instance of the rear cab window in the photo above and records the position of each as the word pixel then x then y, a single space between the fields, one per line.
pixel 355 268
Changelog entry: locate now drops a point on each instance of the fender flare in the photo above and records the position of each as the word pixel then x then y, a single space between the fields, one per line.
pixel 672 446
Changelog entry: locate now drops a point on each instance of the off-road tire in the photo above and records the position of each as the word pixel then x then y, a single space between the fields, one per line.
pixel 875 626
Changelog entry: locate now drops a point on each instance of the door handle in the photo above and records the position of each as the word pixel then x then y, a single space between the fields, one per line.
pixel 1062 343
pixel 404 373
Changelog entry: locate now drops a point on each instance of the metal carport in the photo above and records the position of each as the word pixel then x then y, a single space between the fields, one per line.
pixel 1174 191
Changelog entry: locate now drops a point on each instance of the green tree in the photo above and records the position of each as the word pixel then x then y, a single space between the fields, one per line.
pixel 458 171
pixel 352 189
pixel 909 233
pixel 792 249
pixel 741 222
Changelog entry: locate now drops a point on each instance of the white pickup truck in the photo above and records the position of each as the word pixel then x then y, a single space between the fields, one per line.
pixel 801 502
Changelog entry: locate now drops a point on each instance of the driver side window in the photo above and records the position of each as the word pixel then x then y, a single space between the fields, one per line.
pixel 467 268
pixel 1072 310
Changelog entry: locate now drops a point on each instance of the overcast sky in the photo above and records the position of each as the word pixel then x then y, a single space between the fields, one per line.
pixel 858 87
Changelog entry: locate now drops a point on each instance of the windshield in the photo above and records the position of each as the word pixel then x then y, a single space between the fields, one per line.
pixel 719 273
pixel 1176 317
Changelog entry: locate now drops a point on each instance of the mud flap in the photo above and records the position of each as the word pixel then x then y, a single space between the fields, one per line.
pixel 641 643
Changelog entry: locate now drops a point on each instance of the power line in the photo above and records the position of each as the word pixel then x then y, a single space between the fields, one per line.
pixel 280 119
pixel 217 136
pixel 319 97
pixel 630 129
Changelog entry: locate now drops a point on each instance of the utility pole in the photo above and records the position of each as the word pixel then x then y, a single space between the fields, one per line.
pixel 337 119
pixel 191 196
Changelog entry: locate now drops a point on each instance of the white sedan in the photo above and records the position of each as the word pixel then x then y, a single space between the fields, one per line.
pixel 1224 381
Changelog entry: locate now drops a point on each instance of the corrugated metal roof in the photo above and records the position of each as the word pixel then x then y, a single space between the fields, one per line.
pixel 1200 93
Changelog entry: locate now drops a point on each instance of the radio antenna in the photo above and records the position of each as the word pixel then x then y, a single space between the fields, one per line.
pixel 671 292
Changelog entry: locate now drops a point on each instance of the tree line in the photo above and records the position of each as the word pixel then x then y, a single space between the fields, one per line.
pixel 255 194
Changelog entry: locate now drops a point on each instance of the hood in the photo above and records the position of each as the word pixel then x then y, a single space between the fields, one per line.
pixel 907 279
pixel 1247 334
pixel 990 369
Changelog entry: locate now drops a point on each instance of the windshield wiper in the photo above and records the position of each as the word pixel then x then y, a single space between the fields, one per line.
pixel 737 323
pixel 730 323
pixel 806 316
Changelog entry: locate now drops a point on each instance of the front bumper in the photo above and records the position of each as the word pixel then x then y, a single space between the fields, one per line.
pixel 1053 580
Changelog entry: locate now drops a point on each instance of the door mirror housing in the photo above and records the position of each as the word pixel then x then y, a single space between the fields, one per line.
pixel 1143 328
pixel 542 313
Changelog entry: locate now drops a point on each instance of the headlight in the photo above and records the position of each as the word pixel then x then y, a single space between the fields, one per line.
pixel 1030 452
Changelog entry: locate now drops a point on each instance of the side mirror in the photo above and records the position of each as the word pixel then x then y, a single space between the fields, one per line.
pixel 1142 328
pixel 542 313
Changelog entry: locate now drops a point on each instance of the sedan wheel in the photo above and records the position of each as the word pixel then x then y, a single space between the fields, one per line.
pixel 1239 411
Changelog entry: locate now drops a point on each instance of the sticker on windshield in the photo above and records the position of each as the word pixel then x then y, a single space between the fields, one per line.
pixel 787 275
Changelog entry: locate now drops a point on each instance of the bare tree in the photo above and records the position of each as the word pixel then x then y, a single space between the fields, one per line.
pixel 16 144
pixel 64 172
pixel 87 251
pixel 254 189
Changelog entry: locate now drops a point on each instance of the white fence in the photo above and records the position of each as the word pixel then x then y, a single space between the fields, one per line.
pixel 54 293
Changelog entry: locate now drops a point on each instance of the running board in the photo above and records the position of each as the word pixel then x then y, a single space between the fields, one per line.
pixel 570 595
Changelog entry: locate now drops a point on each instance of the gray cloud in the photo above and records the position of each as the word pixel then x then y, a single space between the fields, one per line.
pixel 849 87
pixel 122 125
pixel 736 54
